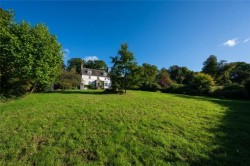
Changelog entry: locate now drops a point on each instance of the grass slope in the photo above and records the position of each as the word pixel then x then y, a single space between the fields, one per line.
pixel 138 128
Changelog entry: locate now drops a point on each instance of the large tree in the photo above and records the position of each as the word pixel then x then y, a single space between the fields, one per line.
pixel 148 77
pixel 96 64
pixel 75 63
pixel 30 56
pixel 179 74
pixel 122 69
pixel 203 81
pixel 210 66
pixel 163 78
pixel 240 73
pixel 223 72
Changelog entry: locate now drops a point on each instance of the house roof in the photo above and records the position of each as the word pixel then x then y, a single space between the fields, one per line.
pixel 94 72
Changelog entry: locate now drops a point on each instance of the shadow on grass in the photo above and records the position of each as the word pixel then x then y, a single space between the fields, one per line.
pixel 232 135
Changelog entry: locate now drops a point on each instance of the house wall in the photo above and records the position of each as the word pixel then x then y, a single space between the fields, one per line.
pixel 90 79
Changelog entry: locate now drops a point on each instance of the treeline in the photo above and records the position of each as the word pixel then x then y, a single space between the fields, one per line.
pixel 217 78
pixel 31 59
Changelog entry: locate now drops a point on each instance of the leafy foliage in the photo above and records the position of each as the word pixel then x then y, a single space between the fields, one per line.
pixel 95 64
pixel 210 66
pixel 68 80
pixel 30 56
pixel 147 77
pixel 123 67
pixel 202 80
pixel 240 73
pixel 179 74
pixel 224 70
pixel 232 91
pixel 247 86
pixel 75 63
pixel 163 78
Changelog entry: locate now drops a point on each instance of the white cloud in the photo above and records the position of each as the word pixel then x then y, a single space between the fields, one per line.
pixel 231 42
pixel 90 58
pixel 246 40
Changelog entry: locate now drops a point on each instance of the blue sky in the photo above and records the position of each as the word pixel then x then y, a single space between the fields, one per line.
pixel 162 33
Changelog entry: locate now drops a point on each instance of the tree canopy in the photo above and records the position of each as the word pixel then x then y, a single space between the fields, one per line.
pixel 76 64
pixel 95 64
pixel 30 56
pixel 179 74
pixel 163 78
pixel 123 66
pixel 210 66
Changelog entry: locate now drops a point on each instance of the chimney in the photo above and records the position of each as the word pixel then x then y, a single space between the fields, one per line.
pixel 82 68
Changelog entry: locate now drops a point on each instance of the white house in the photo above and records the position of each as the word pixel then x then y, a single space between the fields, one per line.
pixel 97 78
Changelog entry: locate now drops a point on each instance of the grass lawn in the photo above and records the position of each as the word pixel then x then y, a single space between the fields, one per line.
pixel 137 128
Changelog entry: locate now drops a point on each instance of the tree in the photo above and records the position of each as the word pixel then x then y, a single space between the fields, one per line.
pixel 148 77
pixel 96 64
pixel 47 57
pixel 240 73
pixel 223 72
pixel 210 66
pixel 179 74
pixel 75 63
pixel 31 57
pixel 163 78
pixel 68 80
pixel 203 81
pixel 122 69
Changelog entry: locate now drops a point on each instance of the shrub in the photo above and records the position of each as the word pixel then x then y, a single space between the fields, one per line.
pixel 247 87
pixel 183 89
pixel 203 81
pixel 68 80
pixel 91 86
pixel 150 87
pixel 234 91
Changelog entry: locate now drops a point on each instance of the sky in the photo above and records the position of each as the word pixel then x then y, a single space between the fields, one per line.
pixel 162 33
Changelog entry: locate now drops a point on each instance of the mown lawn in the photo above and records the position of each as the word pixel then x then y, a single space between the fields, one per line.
pixel 137 128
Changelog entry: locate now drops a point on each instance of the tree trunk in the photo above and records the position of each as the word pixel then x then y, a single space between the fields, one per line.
pixel 34 88
pixel 125 84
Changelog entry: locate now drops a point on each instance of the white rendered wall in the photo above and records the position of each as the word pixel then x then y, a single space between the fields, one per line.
pixel 86 80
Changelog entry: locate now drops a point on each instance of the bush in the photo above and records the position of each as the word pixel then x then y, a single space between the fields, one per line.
pixel 91 86
pixel 150 87
pixel 203 81
pixel 234 91
pixel 68 80
pixel 183 89
pixel 247 87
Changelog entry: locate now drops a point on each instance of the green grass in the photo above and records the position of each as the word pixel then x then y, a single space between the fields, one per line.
pixel 137 128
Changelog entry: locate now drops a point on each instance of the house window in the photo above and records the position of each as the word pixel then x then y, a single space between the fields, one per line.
pixel 106 84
